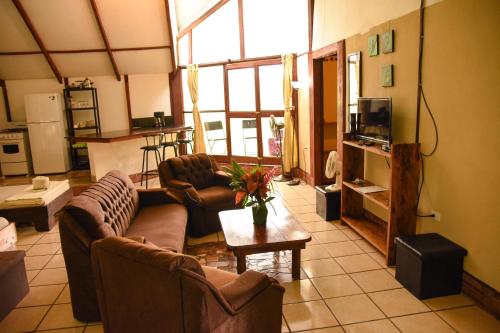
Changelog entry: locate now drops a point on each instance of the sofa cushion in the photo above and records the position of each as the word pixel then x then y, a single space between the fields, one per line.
pixel 195 169
pixel 90 216
pixel 107 207
pixel 217 198
pixel 162 225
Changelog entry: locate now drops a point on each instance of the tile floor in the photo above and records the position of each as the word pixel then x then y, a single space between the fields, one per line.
pixel 345 286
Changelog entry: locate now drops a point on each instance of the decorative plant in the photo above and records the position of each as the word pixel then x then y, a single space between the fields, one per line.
pixel 253 188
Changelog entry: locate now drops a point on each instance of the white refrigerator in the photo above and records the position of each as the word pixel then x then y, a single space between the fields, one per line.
pixel 47 131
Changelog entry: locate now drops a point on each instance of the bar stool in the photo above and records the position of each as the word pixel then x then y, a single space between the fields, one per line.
pixel 169 140
pixel 155 148
pixel 186 138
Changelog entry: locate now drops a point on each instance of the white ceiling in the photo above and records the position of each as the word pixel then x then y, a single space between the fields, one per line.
pixel 69 25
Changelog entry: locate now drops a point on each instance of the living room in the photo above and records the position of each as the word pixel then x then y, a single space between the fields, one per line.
pixel 277 83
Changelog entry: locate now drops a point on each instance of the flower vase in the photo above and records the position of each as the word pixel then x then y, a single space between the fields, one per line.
pixel 259 213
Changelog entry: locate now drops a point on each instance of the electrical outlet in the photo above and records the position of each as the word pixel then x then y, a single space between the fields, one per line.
pixel 437 215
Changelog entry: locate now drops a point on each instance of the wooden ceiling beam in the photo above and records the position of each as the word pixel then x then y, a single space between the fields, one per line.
pixel 145 48
pixel 105 39
pixel 200 19
pixel 170 37
pixel 3 88
pixel 37 38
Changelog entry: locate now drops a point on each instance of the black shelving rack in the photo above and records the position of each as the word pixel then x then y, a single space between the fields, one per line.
pixel 79 150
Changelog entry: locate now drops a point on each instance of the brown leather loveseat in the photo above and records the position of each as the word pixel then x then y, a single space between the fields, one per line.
pixel 203 187
pixel 113 207
pixel 163 291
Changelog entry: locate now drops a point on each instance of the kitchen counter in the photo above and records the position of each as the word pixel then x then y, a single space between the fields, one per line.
pixel 121 150
pixel 123 135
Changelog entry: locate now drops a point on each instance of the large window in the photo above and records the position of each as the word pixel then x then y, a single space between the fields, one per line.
pixel 241 129
pixel 237 99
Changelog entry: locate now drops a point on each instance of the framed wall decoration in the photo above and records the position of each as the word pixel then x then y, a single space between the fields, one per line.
pixel 373 45
pixel 387 41
pixel 386 76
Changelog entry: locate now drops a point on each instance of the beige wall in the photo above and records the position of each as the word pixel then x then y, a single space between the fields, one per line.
pixel 338 19
pixel 303 115
pixel 461 83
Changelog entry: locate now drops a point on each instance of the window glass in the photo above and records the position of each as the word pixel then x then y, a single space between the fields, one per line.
pixel 270 140
pixel 214 124
pixel 183 49
pixel 244 136
pixel 241 84
pixel 186 97
pixel 211 88
pixel 271 87
pixel 275 27
pixel 217 37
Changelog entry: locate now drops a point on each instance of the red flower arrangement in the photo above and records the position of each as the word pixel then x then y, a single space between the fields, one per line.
pixel 253 188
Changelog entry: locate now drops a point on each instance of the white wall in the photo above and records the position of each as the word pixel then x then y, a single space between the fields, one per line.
pixel 112 102
pixel 149 93
pixel 16 89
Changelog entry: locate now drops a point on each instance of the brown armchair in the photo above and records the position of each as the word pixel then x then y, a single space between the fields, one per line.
pixel 204 187
pixel 142 288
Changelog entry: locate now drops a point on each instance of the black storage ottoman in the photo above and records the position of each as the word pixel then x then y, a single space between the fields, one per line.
pixel 327 203
pixel 13 281
pixel 429 265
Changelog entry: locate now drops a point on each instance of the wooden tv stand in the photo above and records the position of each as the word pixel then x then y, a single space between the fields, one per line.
pixel 400 200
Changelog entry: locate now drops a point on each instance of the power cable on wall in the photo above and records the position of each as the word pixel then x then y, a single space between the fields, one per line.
pixel 421 96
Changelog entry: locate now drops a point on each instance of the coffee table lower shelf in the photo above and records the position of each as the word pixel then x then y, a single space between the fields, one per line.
pixel 241 262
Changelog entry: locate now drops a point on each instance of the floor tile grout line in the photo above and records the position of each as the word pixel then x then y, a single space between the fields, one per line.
pixel 50 308
pixel 434 312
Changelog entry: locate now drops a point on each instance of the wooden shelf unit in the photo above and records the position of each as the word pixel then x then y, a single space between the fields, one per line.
pixel 79 155
pixel 399 200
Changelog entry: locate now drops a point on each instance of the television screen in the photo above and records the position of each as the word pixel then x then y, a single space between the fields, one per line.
pixel 374 119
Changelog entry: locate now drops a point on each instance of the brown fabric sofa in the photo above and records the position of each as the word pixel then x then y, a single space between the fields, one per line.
pixel 113 207
pixel 204 188
pixel 142 288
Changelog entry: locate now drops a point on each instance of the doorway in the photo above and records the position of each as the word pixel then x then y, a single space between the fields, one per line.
pixel 327 108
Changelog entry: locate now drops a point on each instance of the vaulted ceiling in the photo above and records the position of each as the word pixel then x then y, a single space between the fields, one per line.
pixel 189 10
pixel 72 38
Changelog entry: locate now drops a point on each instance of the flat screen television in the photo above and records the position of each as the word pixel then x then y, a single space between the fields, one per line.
pixel 373 121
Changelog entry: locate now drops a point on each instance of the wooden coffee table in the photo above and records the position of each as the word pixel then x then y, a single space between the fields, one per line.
pixel 280 233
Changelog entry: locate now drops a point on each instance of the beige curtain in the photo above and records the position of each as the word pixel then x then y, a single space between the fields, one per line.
pixel 290 147
pixel 199 132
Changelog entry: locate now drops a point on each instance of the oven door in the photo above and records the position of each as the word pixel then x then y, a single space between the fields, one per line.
pixel 12 151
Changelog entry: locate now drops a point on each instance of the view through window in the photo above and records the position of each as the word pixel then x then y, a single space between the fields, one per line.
pixel 237 99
